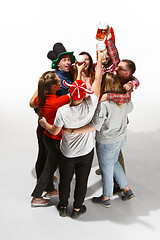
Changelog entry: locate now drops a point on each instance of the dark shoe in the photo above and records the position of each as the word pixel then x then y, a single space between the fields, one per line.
pixel 128 195
pixel 76 214
pixel 62 211
pixel 98 171
pixel 101 202
pixel 117 190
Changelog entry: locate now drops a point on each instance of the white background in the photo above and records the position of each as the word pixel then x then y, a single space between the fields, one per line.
pixel 29 29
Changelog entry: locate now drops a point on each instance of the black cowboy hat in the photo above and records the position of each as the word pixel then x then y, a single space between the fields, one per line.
pixel 59 50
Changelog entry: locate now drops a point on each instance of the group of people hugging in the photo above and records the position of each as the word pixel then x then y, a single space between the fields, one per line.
pixel 82 107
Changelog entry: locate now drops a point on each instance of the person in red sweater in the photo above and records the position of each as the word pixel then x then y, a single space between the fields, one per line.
pixel 48 102
pixel 62 63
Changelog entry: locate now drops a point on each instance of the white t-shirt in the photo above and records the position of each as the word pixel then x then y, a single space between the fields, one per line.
pixel 74 117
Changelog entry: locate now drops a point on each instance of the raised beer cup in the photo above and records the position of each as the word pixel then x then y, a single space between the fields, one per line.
pixel 101 46
pixel 102 31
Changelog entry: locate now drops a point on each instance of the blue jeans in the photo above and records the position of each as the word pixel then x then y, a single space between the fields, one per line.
pixel 110 166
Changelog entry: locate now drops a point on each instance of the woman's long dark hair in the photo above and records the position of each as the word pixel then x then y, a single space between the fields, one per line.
pixel 91 68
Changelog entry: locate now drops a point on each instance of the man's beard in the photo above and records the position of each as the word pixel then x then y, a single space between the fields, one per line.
pixel 107 64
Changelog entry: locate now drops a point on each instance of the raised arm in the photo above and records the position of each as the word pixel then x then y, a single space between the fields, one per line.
pixel 98 75
pixel 112 50
pixel 80 69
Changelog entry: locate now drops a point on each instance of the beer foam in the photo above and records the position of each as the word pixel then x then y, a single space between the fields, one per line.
pixel 101 46
pixel 102 25
pixel 80 58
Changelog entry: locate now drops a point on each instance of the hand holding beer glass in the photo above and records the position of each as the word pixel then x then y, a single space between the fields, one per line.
pixel 102 31
pixel 80 64
pixel 101 47
pixel 102 55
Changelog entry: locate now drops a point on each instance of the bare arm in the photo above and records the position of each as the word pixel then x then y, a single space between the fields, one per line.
pixel 53 129
pixel 85 129
pixel 98 76
pixel 31 103
pixel 80 69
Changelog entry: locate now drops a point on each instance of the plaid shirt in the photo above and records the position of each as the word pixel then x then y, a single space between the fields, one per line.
pixel 119 98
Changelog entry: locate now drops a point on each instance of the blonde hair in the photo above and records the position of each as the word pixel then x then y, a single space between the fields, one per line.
pixel 45 83
pixel 111 84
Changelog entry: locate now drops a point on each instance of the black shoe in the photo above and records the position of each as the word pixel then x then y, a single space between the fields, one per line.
pixel 128 195
pixel 62 211
pixel 101 202
pixel 76 214
pixel 98 171
pixel 117 190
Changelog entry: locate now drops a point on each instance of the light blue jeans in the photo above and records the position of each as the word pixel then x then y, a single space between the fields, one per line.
pixel 110 166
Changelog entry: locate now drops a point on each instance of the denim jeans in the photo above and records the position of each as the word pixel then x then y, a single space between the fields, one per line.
pixel 110 166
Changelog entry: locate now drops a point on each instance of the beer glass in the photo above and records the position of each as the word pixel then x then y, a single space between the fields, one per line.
pixel 102 31
pixel 80 59
pixel 101 46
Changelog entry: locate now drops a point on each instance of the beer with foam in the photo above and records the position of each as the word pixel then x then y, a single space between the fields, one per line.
pixel 101 46
pixel 102 31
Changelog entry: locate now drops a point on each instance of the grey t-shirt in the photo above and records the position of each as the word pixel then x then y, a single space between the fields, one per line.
pixel 74 117
pixel 110 121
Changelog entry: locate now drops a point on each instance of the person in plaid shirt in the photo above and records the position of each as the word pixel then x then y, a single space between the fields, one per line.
pixel 124 69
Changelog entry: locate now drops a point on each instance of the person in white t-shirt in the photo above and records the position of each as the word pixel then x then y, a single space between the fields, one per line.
pixel 110 123
pixel 77 150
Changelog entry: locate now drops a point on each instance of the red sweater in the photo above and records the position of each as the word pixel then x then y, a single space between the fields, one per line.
pixel 49 109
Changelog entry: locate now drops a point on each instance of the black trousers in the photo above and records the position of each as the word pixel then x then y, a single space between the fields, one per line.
pixel 41 158
pixel 81 166
pixel 45 182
